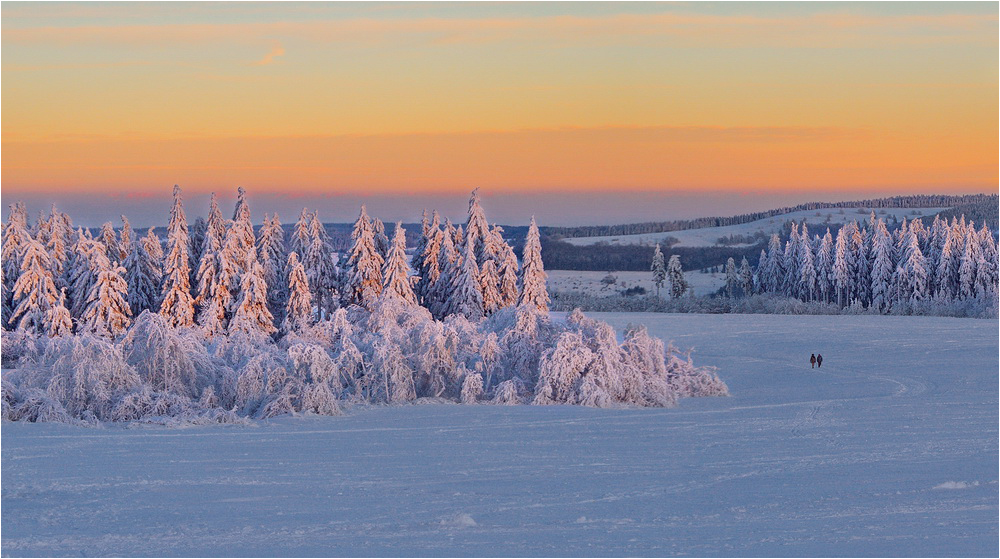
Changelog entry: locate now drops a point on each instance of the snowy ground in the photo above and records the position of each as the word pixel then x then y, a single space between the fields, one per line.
pixel 589 283
pixel 889 450
pixel 709 236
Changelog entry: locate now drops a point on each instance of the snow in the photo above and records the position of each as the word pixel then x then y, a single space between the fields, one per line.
pixel 708 236
pixel 889 450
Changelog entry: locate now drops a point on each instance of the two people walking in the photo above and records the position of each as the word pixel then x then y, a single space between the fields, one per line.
pixel 816 360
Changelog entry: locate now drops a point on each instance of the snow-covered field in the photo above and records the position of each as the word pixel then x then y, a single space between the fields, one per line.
pixel 889 450
pixel 709 236
pixel 589 283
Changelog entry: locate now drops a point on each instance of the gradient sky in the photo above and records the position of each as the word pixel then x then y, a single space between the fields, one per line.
pixel 401 104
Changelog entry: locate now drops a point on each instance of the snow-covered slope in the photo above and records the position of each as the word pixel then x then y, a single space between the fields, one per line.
pixel 889 450
pixel 709 236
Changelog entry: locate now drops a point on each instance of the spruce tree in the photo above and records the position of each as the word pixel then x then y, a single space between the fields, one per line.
pixel 396 273
pixel 466 298
pixel 489 285
pixel 509 293
pixel 107 313
pixel 34 291
pixel 746 277
pixel 251 314
pixel 298 307
pixel 675 277
pixel 533 291
pixel 177 305
pixel 732 279
pixel 659 269
pixel 364 283
pixel 58 321
pixel 141 277
pixel 882 268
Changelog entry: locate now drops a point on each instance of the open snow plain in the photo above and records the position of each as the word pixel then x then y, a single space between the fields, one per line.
pixel 889 450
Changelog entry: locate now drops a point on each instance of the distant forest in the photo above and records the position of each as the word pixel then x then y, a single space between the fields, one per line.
pixel 916 201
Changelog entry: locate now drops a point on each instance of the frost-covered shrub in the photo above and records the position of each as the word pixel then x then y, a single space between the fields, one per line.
pixel 394 353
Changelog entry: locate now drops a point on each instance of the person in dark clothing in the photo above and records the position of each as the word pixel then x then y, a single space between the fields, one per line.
pixel 812 361
pixel 819 360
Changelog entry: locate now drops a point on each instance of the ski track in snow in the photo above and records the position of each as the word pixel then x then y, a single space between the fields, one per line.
pixel 889 450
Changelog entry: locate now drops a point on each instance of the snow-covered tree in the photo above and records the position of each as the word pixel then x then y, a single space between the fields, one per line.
pixel 243 250
pixel 125 242
pixel 659 269
pixel 807 270
pixel 746 277
pixel 381 239
pixel 58 321
pixel 108 313
pixel 34 291
pixel 967 266
pixel 912 270
pixel 298 308
pixel 364 283
pixel 533 290
pixel 271 255
pixel 824 268
pixel 428 265
pixel 675 277
pixel 438 300
pixel 15 239
pixel 396 273
pixel 882 268
pixel 509 293
pixel 142 279
pixel 477 229
pixel 177 304
pixel 489 284
pixel 466 298
pixel 301 239
pixel 321 270
pixel 842 276
pixel 89 258
pixel 110 240
pixel 732 279
pixel 252 315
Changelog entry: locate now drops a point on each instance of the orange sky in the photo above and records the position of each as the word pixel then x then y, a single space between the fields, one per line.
pixel 411 98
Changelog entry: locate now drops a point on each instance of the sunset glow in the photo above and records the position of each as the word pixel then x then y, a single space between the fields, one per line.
pixel 439 98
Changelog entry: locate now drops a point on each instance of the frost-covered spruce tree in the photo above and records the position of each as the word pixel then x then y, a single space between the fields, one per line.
pixel 321 270
pixel 746 277
pixel 251 314
pixel 89 258
pixel 243 252
pixel 58 321
pixel 381 239
pixel 508 278
pixel 842 276
pixel 125 243
pixel 107 313
pixel 396 273
pixel 912 282
pixel 429 268
pixel 141 277
pixel 57 246
pixel 298 308
pixel 533 291
pixel 271 255
pixel 882 268
pixel 219 292
pixel 196 240
pixel 489 284
pixel 15 239
pixel 938 234
pixel 659 269
pixel 824 268
pixel 861 262
pixel 987 276
pixel 732 279
pixel 967 267
pixel 155 249
pixel 110 241
pixel 416 262
pixel 177 304
pixel 208 266
pixel 466 298
pixel 790 260
pixel 34 291
pixel 807 271
pixel 301 239
pixel 675 277
pixel 364 281
pixel 773 272
pixel 946 275
pixel 477 229
pixel 439 299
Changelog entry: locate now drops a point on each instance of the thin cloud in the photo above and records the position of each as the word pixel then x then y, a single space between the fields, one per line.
pixel 269 58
